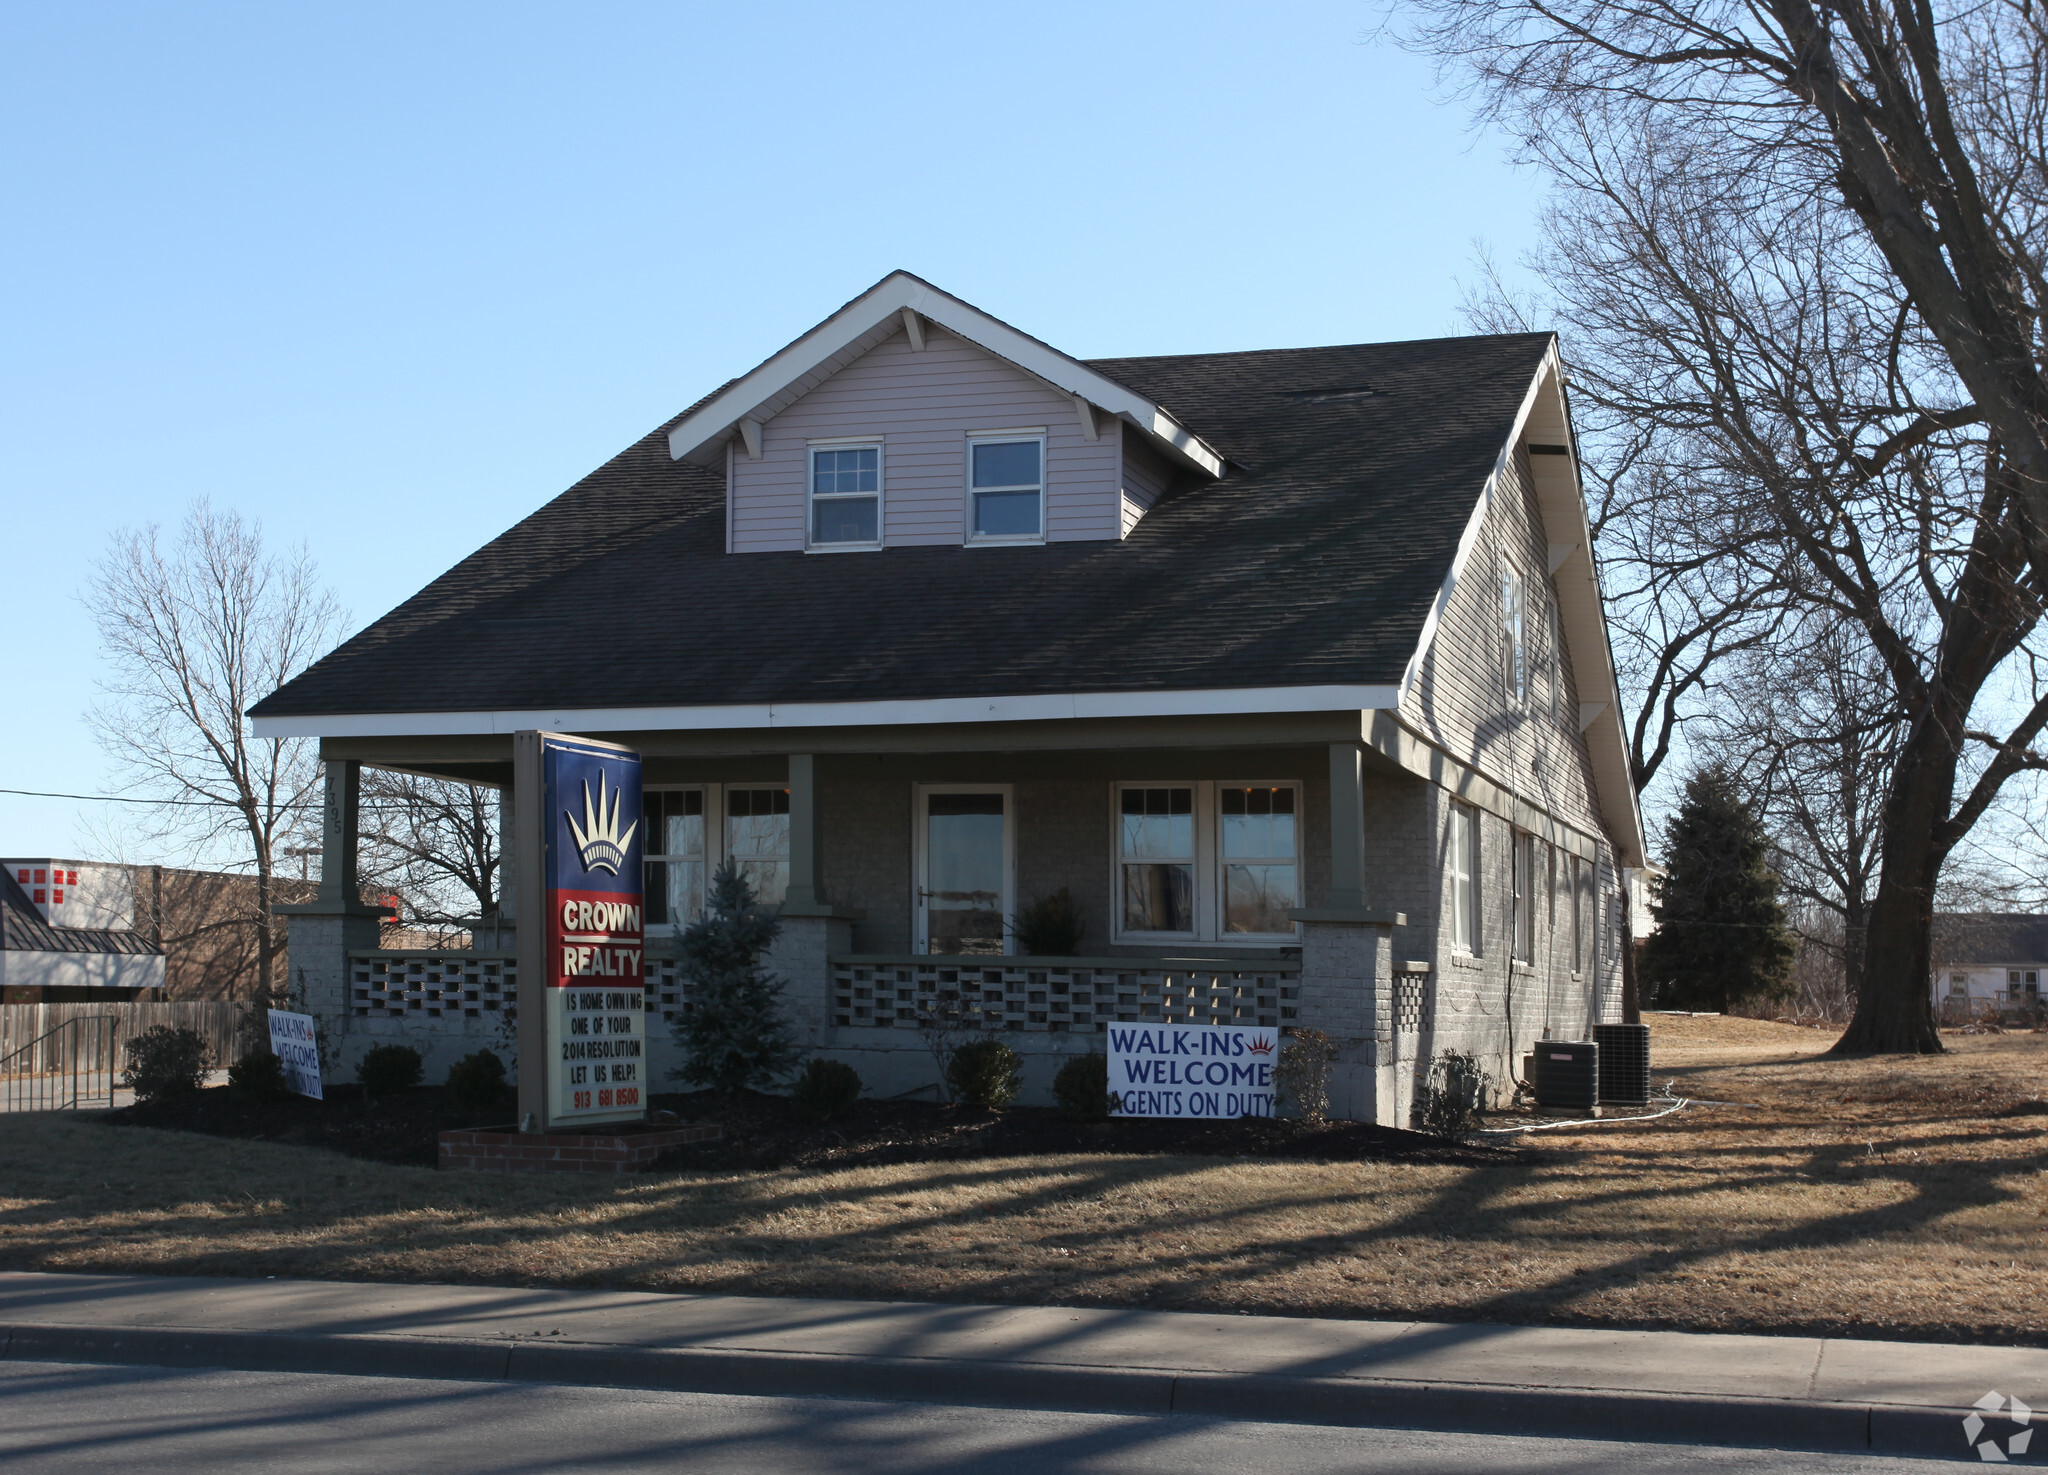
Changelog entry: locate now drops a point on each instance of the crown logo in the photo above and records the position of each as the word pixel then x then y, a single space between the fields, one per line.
pixel 1261 1045
pixel 598 840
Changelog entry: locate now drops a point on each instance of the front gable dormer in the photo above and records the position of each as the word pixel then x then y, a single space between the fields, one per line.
pixel 910 419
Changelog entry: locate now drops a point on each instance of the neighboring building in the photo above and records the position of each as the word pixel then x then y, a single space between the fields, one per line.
pixel 1986 960
pixel 67 934
pixel 1291 666
pixel 200 927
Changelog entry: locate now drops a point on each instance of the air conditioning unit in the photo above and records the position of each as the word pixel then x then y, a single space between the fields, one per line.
pixel 1624 1063
pixel 1568 1074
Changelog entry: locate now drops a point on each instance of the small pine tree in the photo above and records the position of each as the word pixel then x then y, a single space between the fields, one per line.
pixel 1721 938
pixel 733 1035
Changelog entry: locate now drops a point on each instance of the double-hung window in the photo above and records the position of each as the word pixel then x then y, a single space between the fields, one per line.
pixel 1260 881
pixel 1216 861
pixel 674 851
pixel 1525 897
pixel 757 840
pixel 1006 487
pixel 1156 859
pixel 1462 862
pixel 1514 651
pixel 691 831
pixel 846 496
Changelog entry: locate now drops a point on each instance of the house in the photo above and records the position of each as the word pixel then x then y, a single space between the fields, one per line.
pixel 1987 961
pixel 68 934
pixel 1290 667
pixel 200 927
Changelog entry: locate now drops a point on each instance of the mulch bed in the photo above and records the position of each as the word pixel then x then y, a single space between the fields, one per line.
pixel 765 1132
pixel 400 1128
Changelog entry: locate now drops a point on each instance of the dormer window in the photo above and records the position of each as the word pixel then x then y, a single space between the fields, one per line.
pixel 846 496
pixel 1006 487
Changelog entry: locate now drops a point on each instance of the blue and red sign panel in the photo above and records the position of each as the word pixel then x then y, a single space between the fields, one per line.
pixel 595 943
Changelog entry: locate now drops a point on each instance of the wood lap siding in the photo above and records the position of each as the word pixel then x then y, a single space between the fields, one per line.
pixel 1145 476
pixel 1460 699
pixel 921 406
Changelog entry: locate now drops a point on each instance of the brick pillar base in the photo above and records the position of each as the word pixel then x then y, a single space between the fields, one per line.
pixel 1347 991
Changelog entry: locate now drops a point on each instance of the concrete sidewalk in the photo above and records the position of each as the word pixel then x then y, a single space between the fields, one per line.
pixel 1765 1392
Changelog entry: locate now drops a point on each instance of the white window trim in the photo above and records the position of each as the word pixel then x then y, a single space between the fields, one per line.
pixel 1521 896
pixel 1001 437
pixel 714 827
pixel 920 876
pixel 845 443
pixel 1208 862
pixel 1514 631
pixel 1461 868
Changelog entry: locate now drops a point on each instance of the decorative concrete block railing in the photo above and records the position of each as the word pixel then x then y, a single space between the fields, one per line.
pixel 396 983
pixel 1053 995
pixel 1061 995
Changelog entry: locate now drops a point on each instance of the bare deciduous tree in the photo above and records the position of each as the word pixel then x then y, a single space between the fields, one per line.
pixel 434 842
pixel 193 634
pixel 1808 246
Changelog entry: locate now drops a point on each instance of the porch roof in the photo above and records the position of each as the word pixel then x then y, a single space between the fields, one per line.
pixel 1311 566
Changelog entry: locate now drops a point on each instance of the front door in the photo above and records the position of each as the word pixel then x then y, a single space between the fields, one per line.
pixel 963 868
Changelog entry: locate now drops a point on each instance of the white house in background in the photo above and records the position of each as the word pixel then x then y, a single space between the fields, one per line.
pixel 1990 958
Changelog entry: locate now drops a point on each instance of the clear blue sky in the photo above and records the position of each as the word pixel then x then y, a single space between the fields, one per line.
pixel 389 277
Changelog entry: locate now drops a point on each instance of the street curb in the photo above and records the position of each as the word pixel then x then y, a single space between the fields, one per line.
pixel 1661 1418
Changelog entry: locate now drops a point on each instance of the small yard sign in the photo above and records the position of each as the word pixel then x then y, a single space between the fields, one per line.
pixel 297 1049
pixel 1193 1070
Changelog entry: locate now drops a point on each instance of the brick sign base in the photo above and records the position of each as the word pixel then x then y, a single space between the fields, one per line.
pixel 506 1150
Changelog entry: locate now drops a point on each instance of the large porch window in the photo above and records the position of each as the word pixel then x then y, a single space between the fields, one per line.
pixel 1210 861
pixel 692 831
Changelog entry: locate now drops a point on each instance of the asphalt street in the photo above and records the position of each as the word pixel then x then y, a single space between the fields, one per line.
pixel 73 1417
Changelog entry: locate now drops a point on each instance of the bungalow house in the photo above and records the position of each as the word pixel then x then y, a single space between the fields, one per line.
pixel 1288 667
pixel 1989 962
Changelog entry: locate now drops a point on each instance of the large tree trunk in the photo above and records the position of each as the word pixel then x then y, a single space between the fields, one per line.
pixel 1894 1006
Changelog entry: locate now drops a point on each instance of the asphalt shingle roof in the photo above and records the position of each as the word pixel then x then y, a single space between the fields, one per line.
pixel 1964 939
pixel 1315 560
pixel 22 929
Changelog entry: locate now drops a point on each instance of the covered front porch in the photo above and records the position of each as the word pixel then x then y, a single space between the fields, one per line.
pixel 1217 879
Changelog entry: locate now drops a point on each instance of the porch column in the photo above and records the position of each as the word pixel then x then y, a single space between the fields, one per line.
pixel 325 930
pixel 1347 826
pixel 1347 961
pixel 812 928
pixel 805 892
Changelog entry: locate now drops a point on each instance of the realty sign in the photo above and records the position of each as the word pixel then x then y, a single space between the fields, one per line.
pixel 594 945
pixel 1195 1070
pixel 297 1049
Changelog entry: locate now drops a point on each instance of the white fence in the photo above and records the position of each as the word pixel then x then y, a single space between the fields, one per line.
pixel 21 1025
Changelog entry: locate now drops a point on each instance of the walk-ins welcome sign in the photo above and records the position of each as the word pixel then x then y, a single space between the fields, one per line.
pixel 594 944
pixel 1197 1070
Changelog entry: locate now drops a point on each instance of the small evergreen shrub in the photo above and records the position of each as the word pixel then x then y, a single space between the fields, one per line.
pixel 733 1036
pixel 1050 927
pixel 1303 1074
pixel 259 1075
pixel 385 1070
pixel 163 1061
pixel 826 1088
pixel 1082 1087
pixel 985 1073
pixel 1450 1101
pixel 476 1082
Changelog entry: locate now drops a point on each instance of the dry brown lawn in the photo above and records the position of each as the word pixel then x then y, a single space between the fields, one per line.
pixel 1890 1197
